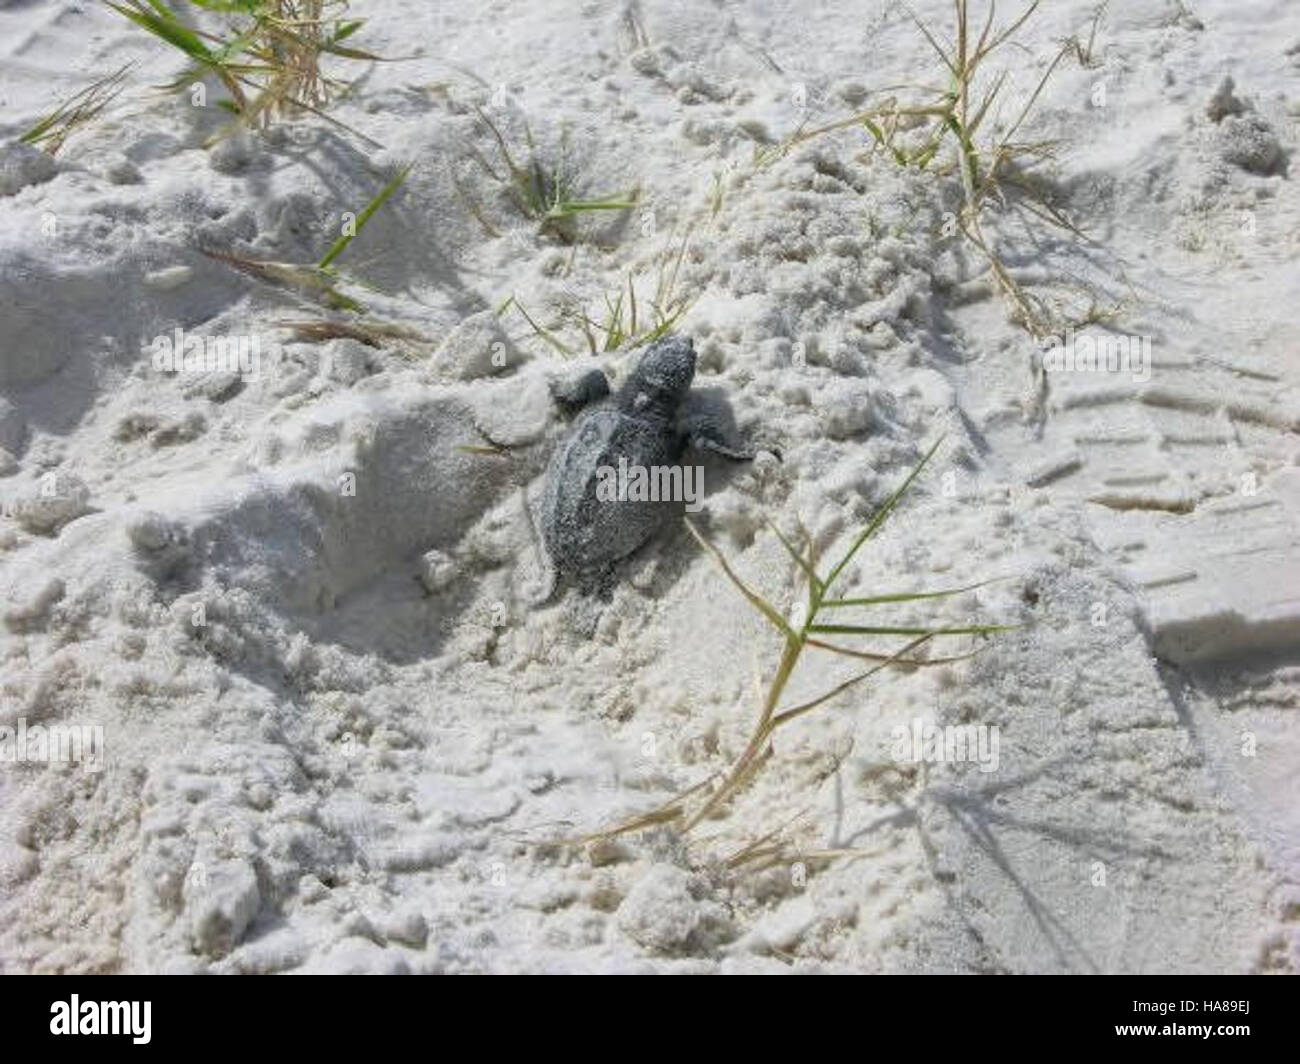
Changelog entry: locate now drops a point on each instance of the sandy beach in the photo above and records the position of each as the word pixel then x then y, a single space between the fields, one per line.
pixel 281 689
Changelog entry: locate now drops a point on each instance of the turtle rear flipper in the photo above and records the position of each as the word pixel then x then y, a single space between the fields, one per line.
pixel 549 585
pixel 546 593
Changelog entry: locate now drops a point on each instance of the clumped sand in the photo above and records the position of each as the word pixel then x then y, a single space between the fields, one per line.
pixel 298 601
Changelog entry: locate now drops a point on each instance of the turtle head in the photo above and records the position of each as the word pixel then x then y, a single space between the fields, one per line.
pixel 662 377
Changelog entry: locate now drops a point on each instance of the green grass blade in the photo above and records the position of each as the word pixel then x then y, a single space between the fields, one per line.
pixel 164 24
pixel 756 600
pixel 543 333
pixel 798 711
pixel 77 109
pixel 566 208
pixel 943 55
pixel 346 29
pixel 902 596
pixel 614 330
pixel 340 245
pixel 873 655
pixel 799 560
pixel 859 629
pixel 881 514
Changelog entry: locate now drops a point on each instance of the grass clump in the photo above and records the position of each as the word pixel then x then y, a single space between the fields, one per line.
pixel 547 193
pixel 622 325
pixel 918 132
pixel 808 628
pixel 623 320
pixel 267 56
pixel 1085 50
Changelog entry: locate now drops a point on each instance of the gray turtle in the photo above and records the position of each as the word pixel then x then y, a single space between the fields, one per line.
pixel 648 423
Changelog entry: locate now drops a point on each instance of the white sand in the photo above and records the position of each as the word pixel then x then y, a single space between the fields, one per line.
pixel 316 760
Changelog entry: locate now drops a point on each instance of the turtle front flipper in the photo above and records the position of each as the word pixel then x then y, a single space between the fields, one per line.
pixel 574 392
pixel 701 441
pixel 703 433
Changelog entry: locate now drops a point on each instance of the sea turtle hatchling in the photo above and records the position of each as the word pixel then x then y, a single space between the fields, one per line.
pixel 649 422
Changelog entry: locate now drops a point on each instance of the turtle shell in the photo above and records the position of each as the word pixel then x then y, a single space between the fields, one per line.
pixel 585 525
